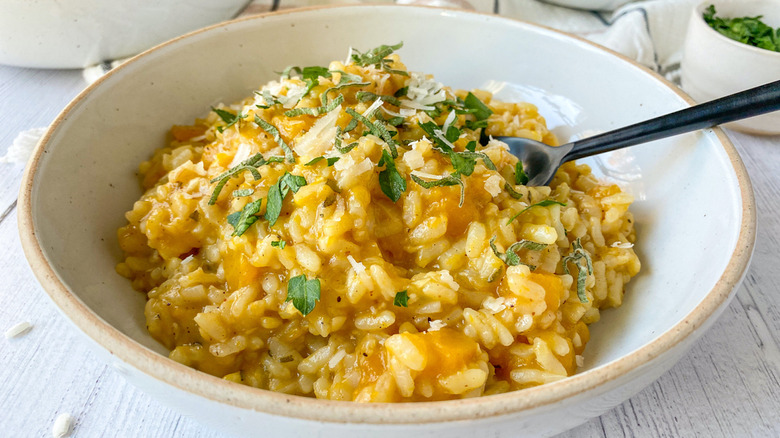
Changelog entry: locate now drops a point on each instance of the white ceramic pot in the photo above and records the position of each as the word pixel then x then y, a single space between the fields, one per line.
pixel 79 33
pixel 693 196
pixel 714 66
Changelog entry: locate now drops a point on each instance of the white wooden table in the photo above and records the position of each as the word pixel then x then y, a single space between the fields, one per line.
pixel 727 386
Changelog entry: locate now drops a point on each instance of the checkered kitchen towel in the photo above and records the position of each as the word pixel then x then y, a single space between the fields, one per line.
pixel 650 32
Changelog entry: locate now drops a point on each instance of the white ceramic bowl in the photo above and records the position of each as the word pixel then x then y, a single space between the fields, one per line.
pixel 79 33
pixel 693 197
pixel 714 65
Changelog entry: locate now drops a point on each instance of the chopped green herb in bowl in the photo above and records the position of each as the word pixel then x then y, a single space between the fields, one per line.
pixel 747 30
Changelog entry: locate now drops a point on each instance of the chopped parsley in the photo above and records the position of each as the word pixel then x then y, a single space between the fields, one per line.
pixel 578 256
pixel 227 117
pixel 390 180
pixel 303 293
pixel 510 257
pixel 278 192
pixel 279 244
pixel 401 299
pixel 747 30
pixel 271 129
pixel 242 220
pixel 545 203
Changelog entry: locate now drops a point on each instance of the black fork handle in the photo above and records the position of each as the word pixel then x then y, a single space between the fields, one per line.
pixel 748 103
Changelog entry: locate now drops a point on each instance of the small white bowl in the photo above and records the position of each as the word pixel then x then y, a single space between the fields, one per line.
pixel 591 5
pixel 79 33
pixel 693 197
pixel 714 65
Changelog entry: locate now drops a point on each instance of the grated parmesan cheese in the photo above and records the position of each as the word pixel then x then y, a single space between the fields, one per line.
pixel 294 93
pixel 622 245
pixel 320 137
pixel 493 185
pixel 440 136
pixel 18 330
pixel 390 112
pixel 436 325
pixel 448 121
pixel 424 91
pixel 370 110
pixel 349 57
pixel 407 112
pixel 364 166
pixel 414 159
pixel 242 153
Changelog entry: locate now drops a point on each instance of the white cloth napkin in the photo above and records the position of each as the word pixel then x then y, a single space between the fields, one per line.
pixel 650 32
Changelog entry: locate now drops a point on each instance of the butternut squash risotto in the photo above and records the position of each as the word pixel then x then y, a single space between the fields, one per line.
pixel 353 232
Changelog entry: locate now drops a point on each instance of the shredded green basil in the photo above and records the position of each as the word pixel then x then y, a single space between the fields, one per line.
pixel 330 161
pixel 376 57
pixel 545 203
pixel 346 80
pixel 577 256
pixel 227 117
pixel 401 299
pixel 271 129
pixel 276 194
pixel 377 129
pixel 242 192
pixel 511 190
pixel 520 177
pixel 366 96
pixel 510 257
pixel 303 293
pixel 316 111
pixel 242 220
pixel 390 180
pixel 250 164
pixel 450 180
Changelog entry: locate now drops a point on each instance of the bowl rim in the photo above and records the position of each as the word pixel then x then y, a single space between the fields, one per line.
pixel 215 389
pixel 698 12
